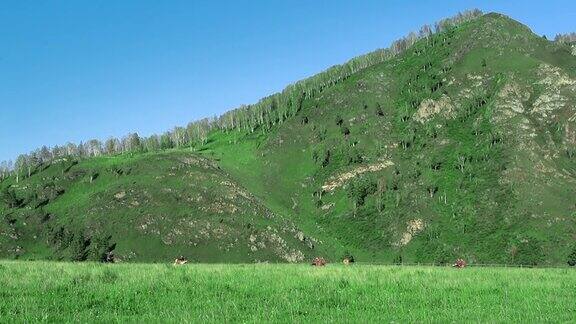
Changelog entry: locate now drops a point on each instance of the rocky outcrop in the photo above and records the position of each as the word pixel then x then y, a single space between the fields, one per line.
pixel 430 108
pixel 340 180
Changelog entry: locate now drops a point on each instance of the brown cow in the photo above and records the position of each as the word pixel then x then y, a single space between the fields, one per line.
pixel 460 263
pixel 319 262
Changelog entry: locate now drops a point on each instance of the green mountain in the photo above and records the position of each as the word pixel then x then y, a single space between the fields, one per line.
pixel 461 145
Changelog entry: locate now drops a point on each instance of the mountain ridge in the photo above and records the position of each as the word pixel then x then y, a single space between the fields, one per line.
pixel 428 156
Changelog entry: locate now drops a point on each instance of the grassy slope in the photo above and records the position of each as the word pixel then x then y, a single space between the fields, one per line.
pixel 477 211
pixel 149 207
pixel 467 174
pixel 64 292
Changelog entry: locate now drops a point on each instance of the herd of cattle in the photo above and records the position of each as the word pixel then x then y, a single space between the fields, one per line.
pixel 320 262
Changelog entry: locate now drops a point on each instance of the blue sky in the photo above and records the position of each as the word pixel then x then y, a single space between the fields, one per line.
pixel 76 70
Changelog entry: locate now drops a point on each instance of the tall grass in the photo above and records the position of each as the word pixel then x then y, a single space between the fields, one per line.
pixel 89 292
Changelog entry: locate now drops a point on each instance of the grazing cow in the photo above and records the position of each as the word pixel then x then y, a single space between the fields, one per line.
pixel 180 261
pixel 348 260
pixel 109 257
pixel 319 262
pixel 460 263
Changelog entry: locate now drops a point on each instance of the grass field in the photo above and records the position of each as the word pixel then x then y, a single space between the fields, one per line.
pixel 90 292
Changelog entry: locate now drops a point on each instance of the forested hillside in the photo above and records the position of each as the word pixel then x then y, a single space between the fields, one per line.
pixel 457 141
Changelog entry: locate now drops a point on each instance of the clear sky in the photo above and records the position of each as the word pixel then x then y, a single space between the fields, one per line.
pixel 76 70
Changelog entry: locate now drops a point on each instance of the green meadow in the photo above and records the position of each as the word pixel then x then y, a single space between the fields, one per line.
pixel 94 292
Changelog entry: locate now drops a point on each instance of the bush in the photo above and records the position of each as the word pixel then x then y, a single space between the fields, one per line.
pixel 78 248
pixel 353 156
pixel 8 196
pixel 528 252
pixel 326 158
pixel 359 189
pixel 572 257
pixel 100 247
pixel 345 130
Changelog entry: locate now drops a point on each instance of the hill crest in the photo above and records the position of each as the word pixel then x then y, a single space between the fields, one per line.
pixel 426 156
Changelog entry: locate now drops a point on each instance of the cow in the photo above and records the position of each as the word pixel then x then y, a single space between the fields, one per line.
pixel 459 264
pixel 348 260
pixel 319 262
pixel 180 261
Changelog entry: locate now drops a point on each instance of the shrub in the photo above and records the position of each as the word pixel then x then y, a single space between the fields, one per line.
pixel 100 248
pixel 528 252
pixel 78 248
pixel 353 156
pixel 9 197
pixel 359 189
pixel 345 130
pixel 326 158
pixel 572 257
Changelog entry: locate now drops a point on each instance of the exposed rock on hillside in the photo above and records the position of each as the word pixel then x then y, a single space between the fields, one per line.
pixel 430 108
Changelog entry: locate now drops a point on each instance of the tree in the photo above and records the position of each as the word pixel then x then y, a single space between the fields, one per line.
pixel 265 113
pixel 359 189
pixel 100 247
pixel 72 150
pixel 132 143
pixel 78 247
pixel 93 175
pixel 425 32
pixel 565 38
pixel 44 155
pixel 152 143
pixel 572 257
pixel 353 156
pixel 326 158
pixel 112 146
pixel 166 142
pixel 20 165
pixel 81 150
pixel 32 161
pixel 179 136
pixel 93 148
pixel 379 110
pixel 462 162
pixel 381 190
pixel 8 196
pixel 339 120
pixel 5 168
pixel 58 152
pixel 528 252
